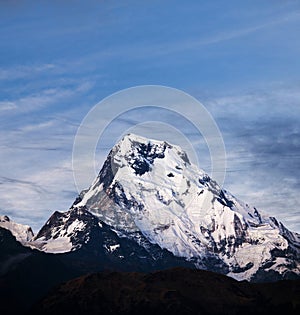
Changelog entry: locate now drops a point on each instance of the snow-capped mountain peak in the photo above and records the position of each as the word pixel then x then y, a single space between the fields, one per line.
pixel 140 153
pixel 22 233
pixel 150 186
pixel 151 206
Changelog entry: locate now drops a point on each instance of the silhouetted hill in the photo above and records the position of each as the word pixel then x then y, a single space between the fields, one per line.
pixel 173 291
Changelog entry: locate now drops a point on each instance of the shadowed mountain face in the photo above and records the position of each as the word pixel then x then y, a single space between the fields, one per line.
pixel 173 291
pixel 26 275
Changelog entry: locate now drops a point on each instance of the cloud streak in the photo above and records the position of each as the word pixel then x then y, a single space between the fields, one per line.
pixel 40 100
pixel 22 72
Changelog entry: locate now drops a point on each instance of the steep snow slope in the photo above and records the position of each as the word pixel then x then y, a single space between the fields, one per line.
pixel 150 186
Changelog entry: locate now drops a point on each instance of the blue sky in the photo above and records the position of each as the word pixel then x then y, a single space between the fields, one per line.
pixel 59 58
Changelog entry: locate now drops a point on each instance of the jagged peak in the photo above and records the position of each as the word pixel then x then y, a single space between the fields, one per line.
pixel 139 153
pixel 132 140
pixel 132 137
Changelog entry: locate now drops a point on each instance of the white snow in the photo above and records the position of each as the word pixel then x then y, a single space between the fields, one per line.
pixel 58 245
pixel 111 248
pixel 77 225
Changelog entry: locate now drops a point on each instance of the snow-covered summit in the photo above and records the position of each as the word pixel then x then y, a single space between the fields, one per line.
pixel 150 186
pixel 140 153
pixel 23 233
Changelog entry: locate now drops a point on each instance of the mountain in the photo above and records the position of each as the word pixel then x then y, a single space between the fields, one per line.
pixel 150 208
pixel 23 233
pixel 148 192
pixel 174 291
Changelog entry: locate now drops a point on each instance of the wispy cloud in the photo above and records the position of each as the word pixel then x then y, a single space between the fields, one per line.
pixel 7 106
pixel 143 50
pixel 42 99
pixel 7 180
pixel 36 175
pixel 21 72
pixel 37 126
pixel 235 33
pixel 35 101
